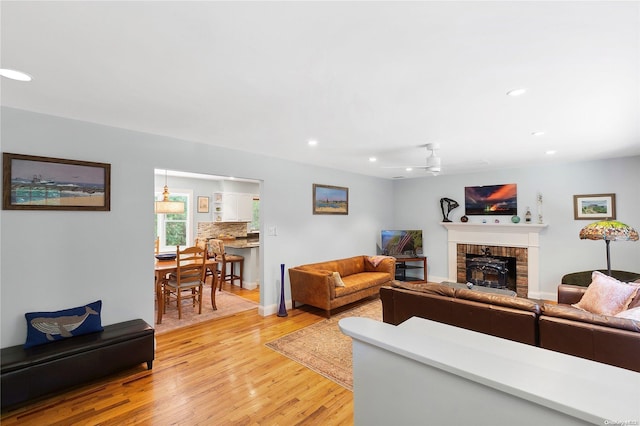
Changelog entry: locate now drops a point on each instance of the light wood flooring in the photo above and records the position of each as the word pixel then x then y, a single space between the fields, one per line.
pixel 215 373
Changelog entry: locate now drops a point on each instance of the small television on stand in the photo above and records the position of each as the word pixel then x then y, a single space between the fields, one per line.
pixel 401 243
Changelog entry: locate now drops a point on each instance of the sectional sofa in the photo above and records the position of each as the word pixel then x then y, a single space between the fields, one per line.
pixel 559 327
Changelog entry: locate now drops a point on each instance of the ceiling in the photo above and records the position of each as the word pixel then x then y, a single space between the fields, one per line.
pixel 363 79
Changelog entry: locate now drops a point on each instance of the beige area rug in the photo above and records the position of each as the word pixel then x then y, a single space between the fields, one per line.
pixel 323 348
pixel 227 303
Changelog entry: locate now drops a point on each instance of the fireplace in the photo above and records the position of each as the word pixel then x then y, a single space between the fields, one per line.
pixel 517 241
pixel 491 271
pixel 493 266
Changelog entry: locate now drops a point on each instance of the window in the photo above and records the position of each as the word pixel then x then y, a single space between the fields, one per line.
pixel 255 220
pixel 175 229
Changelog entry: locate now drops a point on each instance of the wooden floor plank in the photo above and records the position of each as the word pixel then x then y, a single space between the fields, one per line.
pixel 214 373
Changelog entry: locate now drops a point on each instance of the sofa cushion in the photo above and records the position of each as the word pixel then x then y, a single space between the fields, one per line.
pixel 344 267
pixel 356 282
pixel 430 288
pixel 46 327
pixel 351 265
pixel 633 314
pixel 606 295
pixel 575 314
pixel 499 300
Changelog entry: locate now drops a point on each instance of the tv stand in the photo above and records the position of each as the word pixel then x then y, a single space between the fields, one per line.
pixel 402 267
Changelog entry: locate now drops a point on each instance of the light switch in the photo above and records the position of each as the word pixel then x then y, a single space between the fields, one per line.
pixel 272 231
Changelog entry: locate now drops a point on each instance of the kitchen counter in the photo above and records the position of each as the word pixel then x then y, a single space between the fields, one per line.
pixel 250 250
pixel 241 243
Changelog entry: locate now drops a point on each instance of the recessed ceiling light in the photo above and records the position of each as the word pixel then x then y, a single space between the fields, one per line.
pixel 537 133
pixel 373 159
pixel 15 75
pixel 516 92
pixel 409 169
pixel 313 142
pixel 550 152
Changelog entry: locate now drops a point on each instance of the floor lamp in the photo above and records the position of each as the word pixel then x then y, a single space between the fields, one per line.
pixel 608 230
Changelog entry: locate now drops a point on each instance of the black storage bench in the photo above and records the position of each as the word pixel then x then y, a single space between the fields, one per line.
pixel 37 371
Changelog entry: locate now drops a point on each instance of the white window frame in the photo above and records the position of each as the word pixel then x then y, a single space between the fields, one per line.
pixel 189 221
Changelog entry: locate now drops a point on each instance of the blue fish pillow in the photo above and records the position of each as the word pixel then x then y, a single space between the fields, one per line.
pixel 46 327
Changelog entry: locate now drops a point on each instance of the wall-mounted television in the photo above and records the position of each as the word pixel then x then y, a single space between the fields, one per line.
pixel 401 242
pixel 491 200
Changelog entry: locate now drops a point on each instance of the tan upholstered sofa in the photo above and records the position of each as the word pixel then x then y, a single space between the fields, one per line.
pixel 358 277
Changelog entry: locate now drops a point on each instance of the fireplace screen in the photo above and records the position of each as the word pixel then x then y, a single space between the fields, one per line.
pixel 491 271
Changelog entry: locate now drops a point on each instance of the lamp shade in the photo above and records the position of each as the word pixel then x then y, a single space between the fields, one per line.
pixel 167 207
pixel 610 230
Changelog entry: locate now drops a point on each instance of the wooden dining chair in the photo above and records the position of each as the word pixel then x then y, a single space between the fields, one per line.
pixel 217 247
pixel 188 281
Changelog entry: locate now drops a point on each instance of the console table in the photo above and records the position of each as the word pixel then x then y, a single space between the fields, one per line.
pixel 402 267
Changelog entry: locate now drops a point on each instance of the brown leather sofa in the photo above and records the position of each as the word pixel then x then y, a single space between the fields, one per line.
pixel 584 278
pixel 314 283
pixel 606 339
pixel 558 327
pixel 498 315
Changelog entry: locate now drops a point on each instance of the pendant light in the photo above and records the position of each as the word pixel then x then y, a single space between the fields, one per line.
pixel 165 206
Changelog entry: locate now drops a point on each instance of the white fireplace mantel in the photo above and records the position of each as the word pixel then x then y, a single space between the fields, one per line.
pixel 498 234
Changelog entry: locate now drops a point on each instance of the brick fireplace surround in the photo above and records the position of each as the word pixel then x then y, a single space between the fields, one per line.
pixel 510 240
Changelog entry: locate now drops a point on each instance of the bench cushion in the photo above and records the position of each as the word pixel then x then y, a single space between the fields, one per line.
pixel 40 370
pixel 17 357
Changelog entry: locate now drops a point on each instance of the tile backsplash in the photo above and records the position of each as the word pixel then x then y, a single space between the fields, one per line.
pixel 216 229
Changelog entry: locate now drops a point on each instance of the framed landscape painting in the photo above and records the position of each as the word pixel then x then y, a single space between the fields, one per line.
pixel 594 206
pixel 330 199
pixel 44 183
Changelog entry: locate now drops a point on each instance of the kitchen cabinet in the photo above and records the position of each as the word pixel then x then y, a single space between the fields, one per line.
pixel 217 207
pixel 232 207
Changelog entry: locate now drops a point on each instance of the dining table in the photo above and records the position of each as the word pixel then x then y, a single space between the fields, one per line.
pixel 165 267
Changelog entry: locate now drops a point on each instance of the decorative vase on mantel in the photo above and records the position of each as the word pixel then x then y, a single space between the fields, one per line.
pixel 539 203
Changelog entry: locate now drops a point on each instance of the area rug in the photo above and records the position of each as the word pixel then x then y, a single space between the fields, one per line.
pixel 323 348
pixel 227 303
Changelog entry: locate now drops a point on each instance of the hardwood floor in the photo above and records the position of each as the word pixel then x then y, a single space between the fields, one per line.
pixel 214 373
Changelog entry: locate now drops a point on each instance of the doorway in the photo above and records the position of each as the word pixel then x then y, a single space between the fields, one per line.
pixel 202 219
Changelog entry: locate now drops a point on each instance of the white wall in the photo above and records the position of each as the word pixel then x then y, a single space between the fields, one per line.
pixel 417 205
pixel 53 260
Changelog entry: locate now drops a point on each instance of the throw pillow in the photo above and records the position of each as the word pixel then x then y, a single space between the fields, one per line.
pixel 376 260
pixel 606 295
pixel 45 327
pixel 633 314
pixel 337 281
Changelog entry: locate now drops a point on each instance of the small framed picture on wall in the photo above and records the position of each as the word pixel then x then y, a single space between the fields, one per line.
pixel 594 206
pixel 203 204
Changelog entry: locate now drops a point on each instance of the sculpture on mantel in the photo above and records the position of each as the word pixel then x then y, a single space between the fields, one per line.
pixel 451 204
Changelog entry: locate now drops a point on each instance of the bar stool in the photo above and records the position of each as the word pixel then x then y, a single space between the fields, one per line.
pixel 227 259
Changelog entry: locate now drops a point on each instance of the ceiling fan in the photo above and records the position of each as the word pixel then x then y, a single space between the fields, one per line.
pixel 433 163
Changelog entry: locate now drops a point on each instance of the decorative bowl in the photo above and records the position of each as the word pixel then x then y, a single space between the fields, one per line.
pixel 166 256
